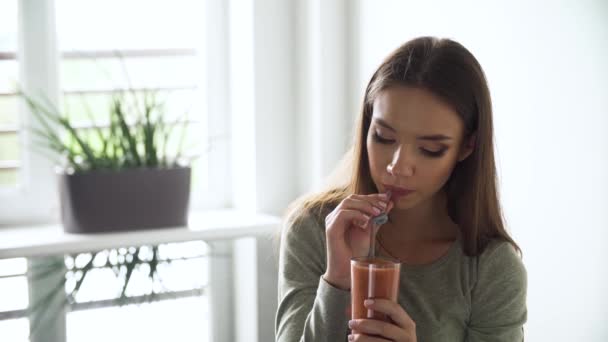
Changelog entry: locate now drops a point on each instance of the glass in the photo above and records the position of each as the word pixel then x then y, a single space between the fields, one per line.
pixel 9 267
pixel 83 109
pixel 9 146
pixel 8 111
pixel 373 278
pixel 151 322
pixel 174 264
pixel 9 69
pixel 103 74
pixel 135 24
pixel 168 57
pixel 8 26
pixel 15 330
pixel 15 295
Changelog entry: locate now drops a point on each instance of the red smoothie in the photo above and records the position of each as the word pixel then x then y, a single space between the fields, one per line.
pixel 373 278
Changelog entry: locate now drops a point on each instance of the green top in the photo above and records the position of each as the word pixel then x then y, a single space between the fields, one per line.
pixel 455 298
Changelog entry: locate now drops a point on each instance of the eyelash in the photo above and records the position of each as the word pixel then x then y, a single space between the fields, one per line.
pixel 384 141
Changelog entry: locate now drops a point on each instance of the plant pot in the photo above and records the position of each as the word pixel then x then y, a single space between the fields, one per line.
pixel 132 199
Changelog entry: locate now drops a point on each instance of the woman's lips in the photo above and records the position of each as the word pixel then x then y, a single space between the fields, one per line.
pixel 397 192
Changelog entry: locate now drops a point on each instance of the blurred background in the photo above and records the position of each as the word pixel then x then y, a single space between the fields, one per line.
pixel 272 88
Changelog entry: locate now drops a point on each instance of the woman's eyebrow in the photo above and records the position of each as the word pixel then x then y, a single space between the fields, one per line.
pixel 435 137
pixel 384 124
pixel 432 137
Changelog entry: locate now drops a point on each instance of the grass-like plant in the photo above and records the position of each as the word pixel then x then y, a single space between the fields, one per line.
pixel 135 135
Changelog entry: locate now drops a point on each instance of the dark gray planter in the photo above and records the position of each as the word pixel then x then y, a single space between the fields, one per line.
pixel 104 201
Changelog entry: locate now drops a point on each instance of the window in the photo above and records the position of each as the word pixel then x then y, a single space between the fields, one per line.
pixel 178 287
pixel 13 286
pixel 150 45
pixel 180 303
pixel 161 45
pixel 9 133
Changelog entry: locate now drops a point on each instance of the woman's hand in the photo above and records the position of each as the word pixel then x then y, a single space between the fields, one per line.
pixel 401 329
pixel 347 232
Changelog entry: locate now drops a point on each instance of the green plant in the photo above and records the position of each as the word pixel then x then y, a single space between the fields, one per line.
pixel 136 134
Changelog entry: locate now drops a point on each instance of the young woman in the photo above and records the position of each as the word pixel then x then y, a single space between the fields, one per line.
pixel 425 133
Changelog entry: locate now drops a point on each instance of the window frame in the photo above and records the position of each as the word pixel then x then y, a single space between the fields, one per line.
pixel 35 199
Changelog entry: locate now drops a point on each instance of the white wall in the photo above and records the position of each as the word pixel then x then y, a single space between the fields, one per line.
pixel 263 160
pixel 321 65
pixel 547 65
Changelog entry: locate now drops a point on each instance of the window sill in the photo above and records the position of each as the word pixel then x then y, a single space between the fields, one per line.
pixel 41 240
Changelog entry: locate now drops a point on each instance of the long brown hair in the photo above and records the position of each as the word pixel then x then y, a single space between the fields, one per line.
pixel 448 70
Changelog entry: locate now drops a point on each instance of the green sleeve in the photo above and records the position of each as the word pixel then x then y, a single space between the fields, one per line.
pixel 498 298
pixel 310 309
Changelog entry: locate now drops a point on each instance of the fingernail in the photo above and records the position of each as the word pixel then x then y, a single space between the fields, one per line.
pixel 382 204
pixel 351 324
pixel 351 337
pixel 377 211
pixel 368 302
pixel 384 195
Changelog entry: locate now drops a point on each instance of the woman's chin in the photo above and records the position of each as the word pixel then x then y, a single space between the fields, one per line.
pixel 404 202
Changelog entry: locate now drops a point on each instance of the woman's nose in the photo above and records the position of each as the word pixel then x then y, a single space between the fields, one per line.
pixel 402 163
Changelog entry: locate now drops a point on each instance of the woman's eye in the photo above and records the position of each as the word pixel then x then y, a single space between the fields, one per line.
pixel 433 154
pixel 378 138
pixel 429 153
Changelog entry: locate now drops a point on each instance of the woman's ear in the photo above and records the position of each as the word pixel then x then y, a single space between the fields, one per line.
pixel 468 147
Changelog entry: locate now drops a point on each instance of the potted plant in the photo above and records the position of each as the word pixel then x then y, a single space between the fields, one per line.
pixel 119 176
pixel 127 173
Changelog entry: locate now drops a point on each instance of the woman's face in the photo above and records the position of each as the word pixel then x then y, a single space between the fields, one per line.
pixel 413 143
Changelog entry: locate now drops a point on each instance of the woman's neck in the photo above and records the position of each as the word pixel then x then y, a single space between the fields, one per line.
pixel 426 222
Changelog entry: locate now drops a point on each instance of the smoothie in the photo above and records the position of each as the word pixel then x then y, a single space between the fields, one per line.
pixel 373 278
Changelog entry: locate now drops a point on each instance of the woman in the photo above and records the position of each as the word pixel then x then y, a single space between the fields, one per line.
pixel 425 133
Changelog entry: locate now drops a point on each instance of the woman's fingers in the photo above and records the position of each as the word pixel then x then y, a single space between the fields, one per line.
pixel 366 338
pixel 393 310
pixel 371 205
pixel 377 328
pixel 400 328
pixel 343 239
pixel 337 224
pixel 390 206
pixel 376 199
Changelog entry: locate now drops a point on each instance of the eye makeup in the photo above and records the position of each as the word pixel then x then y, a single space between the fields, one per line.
pixel 428 153
pixel 433 154
pixel 380 139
